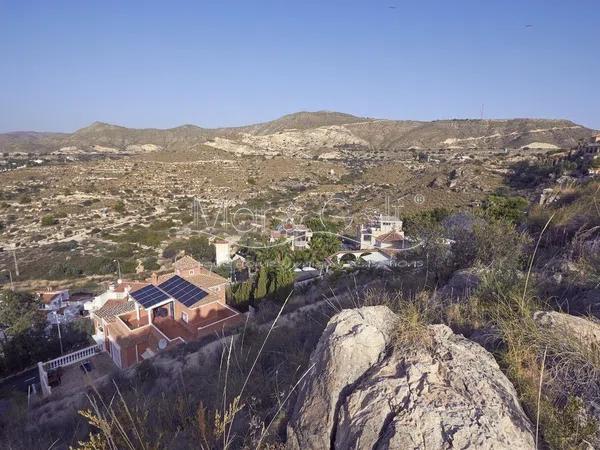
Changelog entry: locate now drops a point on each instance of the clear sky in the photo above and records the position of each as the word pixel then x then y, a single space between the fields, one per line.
pixel 215 63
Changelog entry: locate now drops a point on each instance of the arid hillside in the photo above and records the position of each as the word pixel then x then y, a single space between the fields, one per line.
pixel 310 134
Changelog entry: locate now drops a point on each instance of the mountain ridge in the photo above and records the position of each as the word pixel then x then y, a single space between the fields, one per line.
pixel 312 133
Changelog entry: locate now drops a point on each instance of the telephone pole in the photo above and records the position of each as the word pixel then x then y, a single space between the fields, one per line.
pixel 16 263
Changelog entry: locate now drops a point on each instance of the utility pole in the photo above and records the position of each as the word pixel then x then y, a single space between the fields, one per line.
pixel 12 286
pixel 118 267
pixel 16 263
pixel 59 334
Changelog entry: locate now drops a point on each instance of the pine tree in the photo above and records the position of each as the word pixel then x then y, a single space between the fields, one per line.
pixel 262 284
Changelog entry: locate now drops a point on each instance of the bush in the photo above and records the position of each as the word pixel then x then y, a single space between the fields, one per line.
pixel 119 206
pixel 511 209
pixel 142 236
pixel 151 263
pixel 48 220
pixel 197 246
pixel 497 244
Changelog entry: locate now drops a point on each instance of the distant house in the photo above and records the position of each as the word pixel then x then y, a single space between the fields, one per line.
pixel 61 306
pixel 298 236
pixel 54 300
pixel 382 232
pixel 163 312
pixel 222 252
pixel 114 292
pixel 391 239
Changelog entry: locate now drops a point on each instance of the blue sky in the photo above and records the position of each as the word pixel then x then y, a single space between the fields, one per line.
pixel 165 63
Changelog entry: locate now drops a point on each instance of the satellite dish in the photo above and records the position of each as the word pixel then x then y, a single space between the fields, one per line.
pixel 162 344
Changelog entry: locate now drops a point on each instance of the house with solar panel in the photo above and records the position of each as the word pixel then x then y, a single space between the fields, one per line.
pixel 163 312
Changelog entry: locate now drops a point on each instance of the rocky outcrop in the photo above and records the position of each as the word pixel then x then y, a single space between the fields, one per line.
pixel 585 331
pixel 352 343
pixel 364 392
pixel 573 346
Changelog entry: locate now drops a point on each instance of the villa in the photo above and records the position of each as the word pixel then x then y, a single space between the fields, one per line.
pixel 137 320
pixel 382 232
pixel 298 236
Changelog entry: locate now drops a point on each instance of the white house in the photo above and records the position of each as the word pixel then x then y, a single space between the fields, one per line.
pixel 382 232
pixel 54 300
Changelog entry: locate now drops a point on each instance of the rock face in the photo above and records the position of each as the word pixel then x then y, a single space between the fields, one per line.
pixel 365 394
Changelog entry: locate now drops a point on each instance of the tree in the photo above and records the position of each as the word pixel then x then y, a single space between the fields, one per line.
pixel 19 312
pixel 282 281
pixel 242 293
pixel 151 263
pixel 323 245
pixel 262 282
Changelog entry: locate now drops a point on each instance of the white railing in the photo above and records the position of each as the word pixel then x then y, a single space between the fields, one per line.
pixel 73 358
pixel 46 389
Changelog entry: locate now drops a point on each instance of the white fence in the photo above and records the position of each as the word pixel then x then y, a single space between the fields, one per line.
pixel 46 389
pixel 73 358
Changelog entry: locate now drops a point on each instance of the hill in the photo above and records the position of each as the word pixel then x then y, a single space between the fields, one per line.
pixel 307 134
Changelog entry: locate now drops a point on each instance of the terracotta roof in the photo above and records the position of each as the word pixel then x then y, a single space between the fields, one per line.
pixel 186 262
pixel 202 277
pixel 113 308
pixel 392 236
pixel 206 279
pixel 131 285
pixel 47 297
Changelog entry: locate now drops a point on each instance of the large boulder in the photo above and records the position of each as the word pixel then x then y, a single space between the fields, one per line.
pixel 461 285
pixel 585 331
pixel 573 346
pixel 366 392
pixel 353 341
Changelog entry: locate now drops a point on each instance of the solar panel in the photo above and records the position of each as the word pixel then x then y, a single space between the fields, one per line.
pixel 182 290
pixel 149 296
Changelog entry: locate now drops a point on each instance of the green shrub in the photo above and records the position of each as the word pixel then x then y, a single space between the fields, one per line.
pixel 48 220
pixel 119 206
pixel 196 246
pixel 511 209
pixel 151 263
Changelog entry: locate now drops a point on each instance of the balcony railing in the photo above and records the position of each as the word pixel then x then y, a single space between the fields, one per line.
pixel 73 358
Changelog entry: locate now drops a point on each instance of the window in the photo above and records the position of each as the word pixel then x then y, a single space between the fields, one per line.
pixel 192 272
pixel 184 316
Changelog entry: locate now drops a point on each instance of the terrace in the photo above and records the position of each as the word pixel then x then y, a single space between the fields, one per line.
pixel 173 329
pixel 130 319
pixel 212 318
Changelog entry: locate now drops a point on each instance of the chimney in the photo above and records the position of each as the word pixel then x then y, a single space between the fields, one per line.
pixel 154 278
